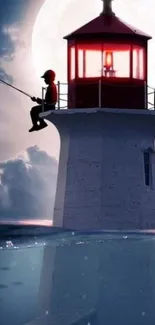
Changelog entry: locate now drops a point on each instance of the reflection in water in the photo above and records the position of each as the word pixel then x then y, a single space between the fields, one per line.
pixel 17 283
pixel 37 222
pixel 70 278
pixel 3 286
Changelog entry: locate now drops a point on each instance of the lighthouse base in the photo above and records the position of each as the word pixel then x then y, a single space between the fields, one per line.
pixel 106 176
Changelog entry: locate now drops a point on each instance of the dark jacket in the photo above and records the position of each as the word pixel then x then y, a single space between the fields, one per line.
pixel 51 96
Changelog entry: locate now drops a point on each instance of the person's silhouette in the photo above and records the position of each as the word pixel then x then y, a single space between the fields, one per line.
pixel 49 102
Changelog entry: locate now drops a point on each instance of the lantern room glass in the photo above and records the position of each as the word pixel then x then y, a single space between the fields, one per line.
pixel 72 59
pixel 138 63
pixel 107 61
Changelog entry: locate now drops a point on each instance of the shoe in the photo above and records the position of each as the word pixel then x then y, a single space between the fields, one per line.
pixel 34 128
pixel 42 126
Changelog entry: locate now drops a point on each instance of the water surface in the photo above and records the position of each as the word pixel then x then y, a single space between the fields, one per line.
pixel 51 276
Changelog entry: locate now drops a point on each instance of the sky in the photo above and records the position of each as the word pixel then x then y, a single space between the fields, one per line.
pixel 31 41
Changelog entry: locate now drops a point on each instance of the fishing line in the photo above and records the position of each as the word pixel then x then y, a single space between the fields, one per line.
pixel 21 91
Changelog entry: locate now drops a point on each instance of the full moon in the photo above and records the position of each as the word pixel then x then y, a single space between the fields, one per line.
pixel 55 20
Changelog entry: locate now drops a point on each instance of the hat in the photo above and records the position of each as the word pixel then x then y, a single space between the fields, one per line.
pixel 49 74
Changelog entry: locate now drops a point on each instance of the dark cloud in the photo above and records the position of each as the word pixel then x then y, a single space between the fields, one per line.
pixel 12 15
pixel 27 188
pixel 13 10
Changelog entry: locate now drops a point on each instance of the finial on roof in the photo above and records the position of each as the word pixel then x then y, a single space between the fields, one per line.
pixel 107 8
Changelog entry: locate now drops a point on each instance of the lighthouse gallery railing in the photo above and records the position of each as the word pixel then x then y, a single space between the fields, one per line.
pixel 62 102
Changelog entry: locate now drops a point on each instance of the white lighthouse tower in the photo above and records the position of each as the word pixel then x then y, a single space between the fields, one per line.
pixel 106 177
pixel 106 181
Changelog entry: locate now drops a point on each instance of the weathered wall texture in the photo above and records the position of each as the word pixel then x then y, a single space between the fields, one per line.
pixel 101 181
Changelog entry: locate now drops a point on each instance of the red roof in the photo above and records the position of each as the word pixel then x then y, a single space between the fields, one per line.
pixel 107 25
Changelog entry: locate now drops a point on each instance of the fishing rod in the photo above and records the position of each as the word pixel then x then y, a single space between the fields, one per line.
pixel 21 91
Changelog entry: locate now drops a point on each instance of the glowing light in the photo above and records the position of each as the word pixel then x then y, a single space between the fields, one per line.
pixel 114 58
pixel 108 59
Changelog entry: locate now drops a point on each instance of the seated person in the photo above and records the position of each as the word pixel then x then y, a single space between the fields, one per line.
pixel 49 102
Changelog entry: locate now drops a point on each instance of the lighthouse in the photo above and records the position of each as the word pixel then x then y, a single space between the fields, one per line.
pixel 106 177
pixel 106 181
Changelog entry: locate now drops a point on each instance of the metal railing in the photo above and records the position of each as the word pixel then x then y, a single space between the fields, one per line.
pixel 62 92
pixel 63 97
pixel 151 97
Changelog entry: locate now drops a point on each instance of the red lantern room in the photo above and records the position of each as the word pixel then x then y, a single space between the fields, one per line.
pixel 107 64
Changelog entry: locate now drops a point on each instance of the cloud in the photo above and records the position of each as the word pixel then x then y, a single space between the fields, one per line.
pixel 9 38
pixel 13 33
pixel 27 186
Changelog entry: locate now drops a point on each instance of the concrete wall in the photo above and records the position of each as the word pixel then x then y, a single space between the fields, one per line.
pixel 101 181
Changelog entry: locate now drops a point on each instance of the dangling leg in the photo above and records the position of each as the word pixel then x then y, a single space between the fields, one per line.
pixel 42 124
pixel 34 117
pixel 35 111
